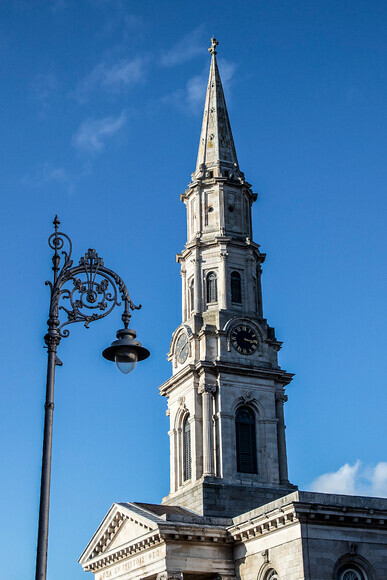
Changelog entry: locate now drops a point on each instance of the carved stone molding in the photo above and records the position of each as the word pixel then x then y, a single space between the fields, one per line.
pixel 170 576
pixel 247 396
pixel 352 548
pixel 207 388
pixel 281 397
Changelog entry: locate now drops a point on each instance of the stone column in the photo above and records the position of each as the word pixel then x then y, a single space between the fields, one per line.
pixel 183 273
pixel 207 392
pixel 173 456
pixel 280 399
pixel 223 281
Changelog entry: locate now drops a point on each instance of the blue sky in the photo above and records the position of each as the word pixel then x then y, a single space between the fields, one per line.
pixel 100 116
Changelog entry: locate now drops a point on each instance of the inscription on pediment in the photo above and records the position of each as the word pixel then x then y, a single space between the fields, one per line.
pixel 123 569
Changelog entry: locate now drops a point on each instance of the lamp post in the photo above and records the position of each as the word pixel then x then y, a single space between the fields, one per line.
pixel 89 291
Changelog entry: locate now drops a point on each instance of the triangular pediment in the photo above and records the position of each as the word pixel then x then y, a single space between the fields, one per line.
pixel 124 524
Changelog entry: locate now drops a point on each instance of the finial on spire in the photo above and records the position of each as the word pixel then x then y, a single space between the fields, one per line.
pixel 214 44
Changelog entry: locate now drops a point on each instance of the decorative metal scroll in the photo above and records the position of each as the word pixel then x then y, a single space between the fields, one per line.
pixel 89 291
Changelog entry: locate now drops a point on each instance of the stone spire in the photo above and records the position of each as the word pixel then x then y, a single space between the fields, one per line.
pixel 216 148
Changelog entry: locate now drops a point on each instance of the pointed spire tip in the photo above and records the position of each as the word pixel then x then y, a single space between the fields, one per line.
pixel 214 44
pixel 216 153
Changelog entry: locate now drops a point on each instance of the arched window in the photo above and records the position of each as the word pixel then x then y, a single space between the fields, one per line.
pixel 246 446
pixel 351 572
pixel 191 295
pixel 353 567
pixel 212 287
pixel 186 449
pixel 236 288
pixel 271 575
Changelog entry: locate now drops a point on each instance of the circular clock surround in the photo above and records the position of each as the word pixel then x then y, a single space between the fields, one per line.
pixel 244 338
pixel 182 349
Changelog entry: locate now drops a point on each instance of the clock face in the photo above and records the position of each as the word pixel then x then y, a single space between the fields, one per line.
pixel 244 339
pixel 182 349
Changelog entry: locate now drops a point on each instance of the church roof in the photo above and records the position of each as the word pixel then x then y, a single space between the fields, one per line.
pixel 216 146
pixel 162 510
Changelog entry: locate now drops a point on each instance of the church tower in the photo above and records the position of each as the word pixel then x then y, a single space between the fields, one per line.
pixel 231 513
pixel 226 393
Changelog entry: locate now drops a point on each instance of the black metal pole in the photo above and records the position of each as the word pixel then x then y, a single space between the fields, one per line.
pixel 41 555
pixel 91 288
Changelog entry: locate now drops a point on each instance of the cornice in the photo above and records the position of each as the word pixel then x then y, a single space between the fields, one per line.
pixel 121 552
pixel 194 533
pixel 336 515
pixel 278 375
pixel 263 524
pixel 176 379
pixel 221 182
pixel 220 240
pixel 307 513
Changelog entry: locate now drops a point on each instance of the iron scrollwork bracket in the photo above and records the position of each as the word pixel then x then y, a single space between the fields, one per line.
pixel 89 290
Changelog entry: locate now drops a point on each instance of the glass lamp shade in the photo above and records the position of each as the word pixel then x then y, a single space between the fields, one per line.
pixel 126 360
pixel 126 351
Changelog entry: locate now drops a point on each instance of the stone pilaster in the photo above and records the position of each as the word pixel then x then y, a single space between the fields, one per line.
pixel 259 293
pixel 198 285
pixel 223 280
pixel 250 296
pixel 207 391
pixel 280 399
pixel 184 313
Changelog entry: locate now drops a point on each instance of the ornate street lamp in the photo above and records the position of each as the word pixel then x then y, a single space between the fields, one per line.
pixel 89 291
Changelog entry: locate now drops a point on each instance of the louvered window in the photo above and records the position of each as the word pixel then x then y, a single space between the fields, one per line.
pixel 246 441
pixel 212 287
pixel 186 449
pixel 236 289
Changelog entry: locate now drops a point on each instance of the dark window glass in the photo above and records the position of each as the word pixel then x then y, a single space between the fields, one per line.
pixel 351 572
pixel 212 287
pixel 186 449
pixel 236 289
pixel 246 441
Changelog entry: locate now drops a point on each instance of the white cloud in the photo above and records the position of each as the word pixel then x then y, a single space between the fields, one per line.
pixel 379 479
pixel 43 87
pixel 192 97
pixel 92 133
pixel 120 24
pixel 186 48
pixel 227 70
pixel 195 91
pixel 112 77
pixel 46 174
pixel 354 480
